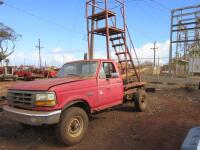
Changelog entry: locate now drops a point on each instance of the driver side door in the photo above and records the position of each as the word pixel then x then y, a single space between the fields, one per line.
pixel 110 89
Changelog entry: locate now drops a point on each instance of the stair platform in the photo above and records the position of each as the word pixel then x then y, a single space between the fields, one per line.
pixel 102 15
pixel 112 31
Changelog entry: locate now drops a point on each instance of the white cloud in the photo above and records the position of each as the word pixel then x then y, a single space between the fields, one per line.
pixel 57 50
pixel 146 53
pixel 57 57
pixel 99 55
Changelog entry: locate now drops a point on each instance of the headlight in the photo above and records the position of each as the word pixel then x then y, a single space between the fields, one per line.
pixel 45 99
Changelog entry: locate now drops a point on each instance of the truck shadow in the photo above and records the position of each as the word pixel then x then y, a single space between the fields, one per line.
pixel 121 108
pixel 124 108
pixel 13 134
pixel 30 137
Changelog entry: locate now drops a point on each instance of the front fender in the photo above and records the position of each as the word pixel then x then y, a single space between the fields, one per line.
pixel 76 99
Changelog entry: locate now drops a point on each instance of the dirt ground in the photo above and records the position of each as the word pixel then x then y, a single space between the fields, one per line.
pixel 172 112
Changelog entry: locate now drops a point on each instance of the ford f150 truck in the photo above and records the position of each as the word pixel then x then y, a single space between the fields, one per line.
pixel 79 89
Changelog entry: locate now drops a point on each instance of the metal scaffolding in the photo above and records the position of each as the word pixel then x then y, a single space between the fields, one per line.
pixel 102 20
pixel 184 36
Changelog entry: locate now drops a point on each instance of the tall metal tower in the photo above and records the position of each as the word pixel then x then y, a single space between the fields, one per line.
pixel 102 20
pixel 184 36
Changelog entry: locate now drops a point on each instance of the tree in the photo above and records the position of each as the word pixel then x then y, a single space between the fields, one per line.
pixel 8 40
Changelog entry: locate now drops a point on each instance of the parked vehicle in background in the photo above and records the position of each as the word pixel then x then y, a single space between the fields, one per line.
pixel 29 73
pixel 50 72
pixel 25 72
pixel 80 89
pixel 8 72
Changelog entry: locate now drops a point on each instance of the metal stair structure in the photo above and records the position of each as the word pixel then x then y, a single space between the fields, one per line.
pixel 102 21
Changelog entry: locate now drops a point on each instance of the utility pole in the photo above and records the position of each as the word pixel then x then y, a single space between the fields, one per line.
pixel 91 49
pixel 39 48
pixel 154 49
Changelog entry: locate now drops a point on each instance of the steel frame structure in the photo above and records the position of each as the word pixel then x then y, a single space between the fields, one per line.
pixel 99 10
pixel 184 35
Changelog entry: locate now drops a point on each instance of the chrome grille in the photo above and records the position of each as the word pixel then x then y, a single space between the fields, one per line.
pixel 23 99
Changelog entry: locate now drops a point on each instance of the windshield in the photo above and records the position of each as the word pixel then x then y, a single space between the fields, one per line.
pixel 81 69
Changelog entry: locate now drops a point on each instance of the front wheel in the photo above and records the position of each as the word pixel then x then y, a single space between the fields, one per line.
pixel 140 100
pixel 73 126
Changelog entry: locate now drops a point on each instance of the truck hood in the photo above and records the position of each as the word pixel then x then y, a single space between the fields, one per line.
pixel 44 85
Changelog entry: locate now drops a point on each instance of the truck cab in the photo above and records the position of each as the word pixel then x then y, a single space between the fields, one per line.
pixel 79 89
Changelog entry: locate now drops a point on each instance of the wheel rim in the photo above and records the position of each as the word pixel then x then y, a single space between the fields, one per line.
pixel 75 127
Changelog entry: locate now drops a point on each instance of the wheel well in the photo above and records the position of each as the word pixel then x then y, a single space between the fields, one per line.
pixel 79 103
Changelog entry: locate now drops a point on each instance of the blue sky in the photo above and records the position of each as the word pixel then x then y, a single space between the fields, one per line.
pixel 61 26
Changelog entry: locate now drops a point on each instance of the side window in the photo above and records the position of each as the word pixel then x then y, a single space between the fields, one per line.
pixel 88 69
pixel 106 71
pixel 102 74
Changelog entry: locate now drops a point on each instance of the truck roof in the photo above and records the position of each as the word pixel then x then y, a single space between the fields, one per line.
pixel 99 60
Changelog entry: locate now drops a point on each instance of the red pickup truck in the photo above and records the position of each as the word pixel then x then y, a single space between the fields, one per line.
pixel 29 73
pixel 79 89
pixel 24 72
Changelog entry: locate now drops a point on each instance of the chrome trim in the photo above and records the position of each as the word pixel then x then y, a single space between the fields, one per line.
pixel 31 113
pixel 32 117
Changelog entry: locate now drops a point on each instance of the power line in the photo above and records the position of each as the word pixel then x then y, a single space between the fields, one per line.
pixel 155 1
pixel 155 13
pixel 42 19
pixel 153 58
pixel 161 5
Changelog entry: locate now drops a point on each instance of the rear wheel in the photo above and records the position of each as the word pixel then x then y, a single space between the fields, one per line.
pixel 73 126
pixel 140 100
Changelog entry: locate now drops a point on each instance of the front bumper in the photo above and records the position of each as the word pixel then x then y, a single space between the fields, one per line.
pixel 32 117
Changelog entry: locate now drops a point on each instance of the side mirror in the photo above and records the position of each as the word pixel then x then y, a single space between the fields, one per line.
pixel 115 75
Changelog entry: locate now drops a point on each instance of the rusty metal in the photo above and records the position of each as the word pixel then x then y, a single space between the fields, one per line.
pixel 115 36
pixel 184 35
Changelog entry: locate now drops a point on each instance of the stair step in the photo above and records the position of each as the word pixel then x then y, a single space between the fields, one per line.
pixel 124 61
pixel 120 53
pixel 125 68
pixel 115 45
pixel 116 38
